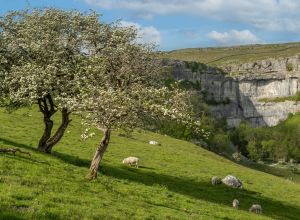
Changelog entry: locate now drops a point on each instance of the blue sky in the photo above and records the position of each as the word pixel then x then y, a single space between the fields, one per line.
pixel 174 24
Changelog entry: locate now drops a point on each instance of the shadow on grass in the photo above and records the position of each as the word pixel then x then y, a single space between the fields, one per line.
pixel 12 214
pixel 20 156
pixel 15 144
pixel 205 191
pixel 188 187
pixel 74 160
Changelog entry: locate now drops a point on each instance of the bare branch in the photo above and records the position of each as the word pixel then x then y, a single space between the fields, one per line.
pixel 13 151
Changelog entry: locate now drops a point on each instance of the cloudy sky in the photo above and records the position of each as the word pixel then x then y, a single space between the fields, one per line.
pixel 174 24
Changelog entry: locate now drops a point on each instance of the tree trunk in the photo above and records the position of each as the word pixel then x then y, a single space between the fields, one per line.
pixel 48 109
pixel 65 121
pixel 47 132
pixel 99 154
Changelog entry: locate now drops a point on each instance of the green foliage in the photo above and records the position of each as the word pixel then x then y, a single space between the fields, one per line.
pixel 255 150
pixel 210 100
pixel 274 143
pixel 173 181
pixel 295 97
pixel 237 156
pixel 195 67
pixel 221 142
pixel 178 129
pixel 289 67
pixel 183 84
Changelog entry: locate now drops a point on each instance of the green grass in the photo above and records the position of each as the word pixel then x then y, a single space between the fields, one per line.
pixel 173 181
pixel 295 97
pixel 222 56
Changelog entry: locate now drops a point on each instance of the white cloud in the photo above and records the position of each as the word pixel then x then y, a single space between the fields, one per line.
pixel 234 37
pixel 258 13
pixel 147 34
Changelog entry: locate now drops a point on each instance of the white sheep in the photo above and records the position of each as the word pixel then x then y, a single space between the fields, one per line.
pixel 215 180
pixel 131 161
pixel 153 142
pixel 235 203
pixel 256 209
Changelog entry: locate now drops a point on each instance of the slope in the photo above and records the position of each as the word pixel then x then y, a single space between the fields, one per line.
pixel 173 181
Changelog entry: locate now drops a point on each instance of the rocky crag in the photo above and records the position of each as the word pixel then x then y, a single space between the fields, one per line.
pixel 238 91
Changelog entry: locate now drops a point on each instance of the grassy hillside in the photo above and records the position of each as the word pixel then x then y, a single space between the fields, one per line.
pixel 173 181
pixel 234 55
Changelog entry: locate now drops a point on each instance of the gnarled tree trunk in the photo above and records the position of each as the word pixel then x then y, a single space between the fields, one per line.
pixel 48 109
pixel 65 121
pixel 99 154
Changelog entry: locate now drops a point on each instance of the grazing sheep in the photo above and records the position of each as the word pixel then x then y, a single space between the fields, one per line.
pixel 232 181
pixel 256 209
pixel 131 161
pixel 153 142
pixel 215 180
pixel 235 203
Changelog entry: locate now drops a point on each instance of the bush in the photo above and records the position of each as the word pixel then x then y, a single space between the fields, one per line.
pixel 220 142
pixel 289 67
pixel 237 156
pixel 254 150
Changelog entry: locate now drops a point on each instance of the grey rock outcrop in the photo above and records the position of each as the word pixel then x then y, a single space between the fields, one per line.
pixel 232 181
pixel 243 92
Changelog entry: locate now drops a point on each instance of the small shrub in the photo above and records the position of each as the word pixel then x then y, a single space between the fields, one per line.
pixel 237 156
pixel 289 67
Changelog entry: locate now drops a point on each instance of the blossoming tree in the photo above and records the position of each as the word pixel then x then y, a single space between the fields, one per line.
pixel 123 84
pixel 43 53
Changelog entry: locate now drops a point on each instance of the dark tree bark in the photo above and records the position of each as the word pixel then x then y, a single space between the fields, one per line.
pixel 99 154
pixel 48 109
pixel 65 121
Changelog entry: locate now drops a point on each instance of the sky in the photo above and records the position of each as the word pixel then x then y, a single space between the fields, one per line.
pixel 175 24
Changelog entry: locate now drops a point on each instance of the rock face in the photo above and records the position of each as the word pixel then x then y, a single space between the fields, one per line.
pixel 232 181
pixel 240 91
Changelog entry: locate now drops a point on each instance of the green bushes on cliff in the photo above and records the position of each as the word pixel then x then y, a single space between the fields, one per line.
pixel 295 97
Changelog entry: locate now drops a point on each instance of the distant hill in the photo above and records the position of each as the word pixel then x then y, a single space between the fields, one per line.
pixel 221 56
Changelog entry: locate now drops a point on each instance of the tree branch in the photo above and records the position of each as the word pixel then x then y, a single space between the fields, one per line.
pixel 13 150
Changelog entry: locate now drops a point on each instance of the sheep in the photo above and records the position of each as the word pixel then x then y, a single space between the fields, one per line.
pixel 153 142
pixel 131 161
pixel 256 208
pixel 215 180
pixel 235 203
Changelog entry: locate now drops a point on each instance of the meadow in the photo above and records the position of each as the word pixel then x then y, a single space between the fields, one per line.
pixel 173 181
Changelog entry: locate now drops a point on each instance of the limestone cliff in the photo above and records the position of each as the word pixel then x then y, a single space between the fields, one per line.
pixel 245 85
